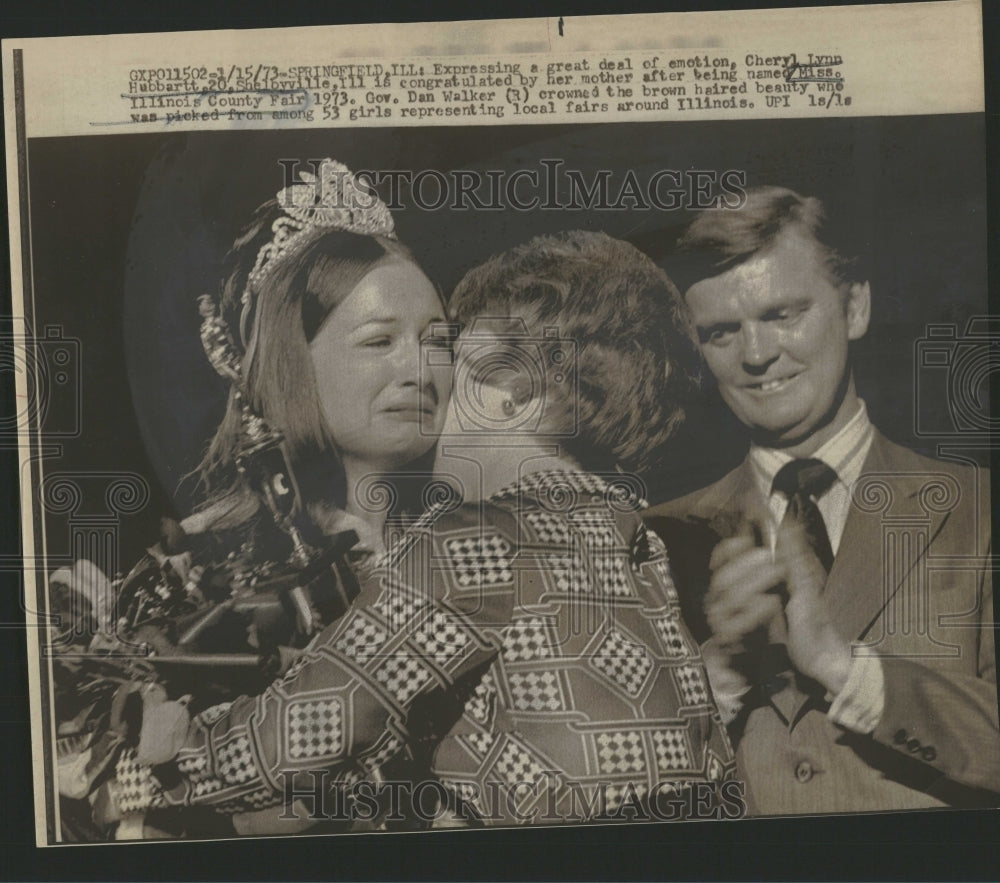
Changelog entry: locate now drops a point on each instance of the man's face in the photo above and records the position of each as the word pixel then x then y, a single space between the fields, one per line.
pixel 774 331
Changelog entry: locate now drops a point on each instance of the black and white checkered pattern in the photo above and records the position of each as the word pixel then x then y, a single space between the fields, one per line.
pixel 596 525
pixel 527 639
pixel 555 673
pixel 665 579
pixel 615 795
pixel 137 789
pixel 556 482
pixel 672 749
pixel 236 763
pixel 194 767
pixel 362 639
pixel 536 691
pixel 516 764
pixel 314 728
pixel 480 560
pixel 625 663
pixel 569 574
pixel 480 743
pixel 612 571
pixel 387 747
pixel 345 777
pixel 402 676
pixel 547 527
pixel 441 638
pixel 621 751
pixel 691 685
pixel 672 637
pixel 482 704
pixel 397 609
pixel 204 787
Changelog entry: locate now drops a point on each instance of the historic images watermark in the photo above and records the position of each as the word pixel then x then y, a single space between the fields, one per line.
pixel 957 365
pixel 551 186
pixel 548 799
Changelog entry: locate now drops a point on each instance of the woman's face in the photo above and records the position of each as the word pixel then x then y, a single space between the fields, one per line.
pixel 383 394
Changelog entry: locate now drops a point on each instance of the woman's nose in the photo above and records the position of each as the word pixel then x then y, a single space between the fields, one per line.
pixel 409 362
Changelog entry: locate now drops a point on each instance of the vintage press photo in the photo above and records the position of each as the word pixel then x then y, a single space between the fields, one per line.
pixel 547 421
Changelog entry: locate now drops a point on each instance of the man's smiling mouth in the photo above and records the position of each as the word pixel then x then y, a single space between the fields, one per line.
pixel 772 385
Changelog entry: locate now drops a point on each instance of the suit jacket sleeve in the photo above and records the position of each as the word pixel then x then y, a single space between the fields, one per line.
pixel 943 718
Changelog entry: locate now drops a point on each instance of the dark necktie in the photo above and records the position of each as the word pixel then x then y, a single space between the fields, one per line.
pixel 803 482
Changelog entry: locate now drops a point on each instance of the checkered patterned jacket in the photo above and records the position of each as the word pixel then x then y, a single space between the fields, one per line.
pixel 530 646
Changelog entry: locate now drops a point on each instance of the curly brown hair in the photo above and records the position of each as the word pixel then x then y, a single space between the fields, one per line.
pixel 636 360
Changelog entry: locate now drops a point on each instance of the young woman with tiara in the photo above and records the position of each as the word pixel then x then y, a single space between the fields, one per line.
pixel 321 326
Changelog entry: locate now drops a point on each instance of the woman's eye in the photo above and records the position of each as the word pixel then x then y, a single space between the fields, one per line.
pixel 377 342
pixel 444 343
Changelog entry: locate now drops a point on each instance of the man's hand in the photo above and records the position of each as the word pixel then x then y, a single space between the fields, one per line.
pixel 747 595
pixel 743 595
pixel 814 647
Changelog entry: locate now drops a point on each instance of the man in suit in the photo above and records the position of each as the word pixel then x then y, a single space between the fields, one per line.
pixel 846 590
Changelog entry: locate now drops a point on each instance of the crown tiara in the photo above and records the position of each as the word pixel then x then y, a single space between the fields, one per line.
pixel 333 199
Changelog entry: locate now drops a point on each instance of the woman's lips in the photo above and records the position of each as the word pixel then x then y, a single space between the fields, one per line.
pixel 411 412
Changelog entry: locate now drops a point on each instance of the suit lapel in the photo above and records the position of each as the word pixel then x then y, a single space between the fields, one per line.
pixel 733 503
pixel 864 579
pixel 850 595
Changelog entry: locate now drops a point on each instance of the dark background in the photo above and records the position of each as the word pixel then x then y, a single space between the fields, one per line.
pixel 896 846
pixel 127 231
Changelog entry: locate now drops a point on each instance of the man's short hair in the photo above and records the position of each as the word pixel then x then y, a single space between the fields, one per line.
pixel 718 240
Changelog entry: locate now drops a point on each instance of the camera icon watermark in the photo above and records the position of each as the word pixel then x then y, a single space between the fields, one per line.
pixel 48 381
pixel 506 380
pixel 956 369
